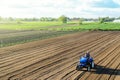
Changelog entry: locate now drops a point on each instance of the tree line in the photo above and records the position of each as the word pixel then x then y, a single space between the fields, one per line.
pixel 62 18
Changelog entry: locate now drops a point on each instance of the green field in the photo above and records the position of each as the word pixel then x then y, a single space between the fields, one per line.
pixel 16 33
pixel 27 25
pixel 30 25
pixel 93 26
pixel 58 26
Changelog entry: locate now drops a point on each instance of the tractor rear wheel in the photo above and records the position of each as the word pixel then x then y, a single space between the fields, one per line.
pixel 88 68
pixel 92 65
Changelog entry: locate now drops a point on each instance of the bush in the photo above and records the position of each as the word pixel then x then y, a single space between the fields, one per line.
pixel 63 19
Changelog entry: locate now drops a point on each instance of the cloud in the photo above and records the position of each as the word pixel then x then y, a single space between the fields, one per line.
pixel 106 4
pixel 117 1
pixel 55 8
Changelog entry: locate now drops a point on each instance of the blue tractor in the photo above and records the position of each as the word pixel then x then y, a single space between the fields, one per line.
pixel 85 62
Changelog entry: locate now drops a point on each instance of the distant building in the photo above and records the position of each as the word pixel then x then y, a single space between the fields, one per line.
pixel 117 20
pixel 89 21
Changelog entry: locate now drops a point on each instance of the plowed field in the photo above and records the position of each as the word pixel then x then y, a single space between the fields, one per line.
pixel 56 58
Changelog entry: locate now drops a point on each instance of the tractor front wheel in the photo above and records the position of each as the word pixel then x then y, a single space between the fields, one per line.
pixel 78 68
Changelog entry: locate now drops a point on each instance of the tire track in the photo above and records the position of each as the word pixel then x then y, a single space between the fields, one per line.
pixel 51 58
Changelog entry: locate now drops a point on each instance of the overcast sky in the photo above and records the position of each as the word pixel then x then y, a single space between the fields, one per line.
pixel 56 8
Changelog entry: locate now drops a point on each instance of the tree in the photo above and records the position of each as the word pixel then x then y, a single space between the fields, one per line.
pixel 80 21
pixel 1 18
pixel 118 18
pixel 63 19
pixel 101 20
pixel 34 19
pixel 11 19
pixel 18 20
pixel 106 19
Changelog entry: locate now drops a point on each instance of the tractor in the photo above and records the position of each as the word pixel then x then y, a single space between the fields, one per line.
pixel 85 62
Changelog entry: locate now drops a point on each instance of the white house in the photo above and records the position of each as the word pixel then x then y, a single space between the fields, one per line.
pixel 117 20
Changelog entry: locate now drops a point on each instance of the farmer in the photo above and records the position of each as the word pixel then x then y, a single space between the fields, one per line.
pixel 87 55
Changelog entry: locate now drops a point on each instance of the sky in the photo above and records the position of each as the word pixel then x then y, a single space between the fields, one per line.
pixel 56 8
